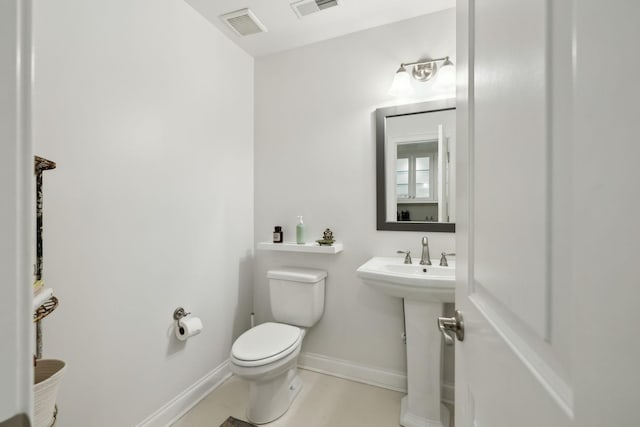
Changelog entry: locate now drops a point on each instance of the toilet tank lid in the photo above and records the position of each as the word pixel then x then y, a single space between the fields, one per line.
pixel 297 274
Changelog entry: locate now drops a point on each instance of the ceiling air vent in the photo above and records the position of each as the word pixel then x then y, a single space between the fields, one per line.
pixel 243 22
pixel 307 7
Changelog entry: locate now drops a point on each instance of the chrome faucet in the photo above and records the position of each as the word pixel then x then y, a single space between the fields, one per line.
pixel 425 259
pixel 443 259
pixel 407 256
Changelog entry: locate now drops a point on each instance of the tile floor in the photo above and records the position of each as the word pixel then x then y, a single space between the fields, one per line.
pixel 324 401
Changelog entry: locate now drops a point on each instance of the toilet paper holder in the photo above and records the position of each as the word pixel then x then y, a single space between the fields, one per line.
pixel 186 328
pixel 178 314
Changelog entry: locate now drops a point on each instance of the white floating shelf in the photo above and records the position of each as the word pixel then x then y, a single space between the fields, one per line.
pixel 306 247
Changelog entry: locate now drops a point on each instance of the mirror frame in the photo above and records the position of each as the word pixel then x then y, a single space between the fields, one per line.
pixel 381 116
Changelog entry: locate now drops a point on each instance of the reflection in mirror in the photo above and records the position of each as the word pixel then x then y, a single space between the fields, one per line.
pixel 416 173
pixel 416 167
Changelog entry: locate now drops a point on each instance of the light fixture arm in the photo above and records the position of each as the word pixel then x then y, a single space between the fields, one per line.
pixel 429 61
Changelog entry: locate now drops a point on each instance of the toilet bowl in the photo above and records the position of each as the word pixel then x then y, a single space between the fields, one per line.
pixel 267 355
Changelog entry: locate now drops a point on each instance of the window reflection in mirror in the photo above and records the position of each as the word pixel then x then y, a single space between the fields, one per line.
pixel 416 174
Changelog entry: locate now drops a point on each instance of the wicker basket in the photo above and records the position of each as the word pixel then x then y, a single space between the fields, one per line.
pixel 47 376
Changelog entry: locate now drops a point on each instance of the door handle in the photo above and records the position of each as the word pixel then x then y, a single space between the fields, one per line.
pixel 453 324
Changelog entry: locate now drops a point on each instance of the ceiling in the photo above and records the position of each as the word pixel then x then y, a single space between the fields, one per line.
pixel 285 31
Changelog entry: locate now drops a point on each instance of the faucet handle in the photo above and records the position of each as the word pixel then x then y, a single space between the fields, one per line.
pixel 407 256
pixel 443 259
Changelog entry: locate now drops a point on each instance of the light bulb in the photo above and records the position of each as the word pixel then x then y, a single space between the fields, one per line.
pixel 401 86
pixel 446 77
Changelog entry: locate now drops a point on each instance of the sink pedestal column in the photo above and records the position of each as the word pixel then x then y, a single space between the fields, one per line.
pixel 421 407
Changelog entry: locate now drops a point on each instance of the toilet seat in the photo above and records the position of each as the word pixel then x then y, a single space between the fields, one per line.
pixel 266 343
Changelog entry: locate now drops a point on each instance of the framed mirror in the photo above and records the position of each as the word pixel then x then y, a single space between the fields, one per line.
pixel 415 166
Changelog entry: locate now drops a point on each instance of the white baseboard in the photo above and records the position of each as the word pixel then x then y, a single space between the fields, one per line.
pixel 178 406
pixel 392 380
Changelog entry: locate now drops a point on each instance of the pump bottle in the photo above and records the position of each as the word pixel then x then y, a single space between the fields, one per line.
pixel 300 231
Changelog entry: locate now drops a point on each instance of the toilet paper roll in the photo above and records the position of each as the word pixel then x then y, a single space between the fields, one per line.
pixel 188 327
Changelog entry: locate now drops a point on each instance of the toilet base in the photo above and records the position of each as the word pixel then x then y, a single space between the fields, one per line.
pixel 270 399
pixel 407 419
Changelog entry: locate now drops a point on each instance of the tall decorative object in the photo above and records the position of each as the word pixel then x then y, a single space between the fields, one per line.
pixel 48 372
pixel 41 165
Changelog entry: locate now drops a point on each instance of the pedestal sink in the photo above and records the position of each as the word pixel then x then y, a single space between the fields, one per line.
pixel 425 289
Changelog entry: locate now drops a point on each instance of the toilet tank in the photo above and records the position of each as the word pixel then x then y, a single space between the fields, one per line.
pixel 297 295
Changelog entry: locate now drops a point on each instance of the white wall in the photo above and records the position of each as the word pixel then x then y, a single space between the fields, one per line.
pixel 16 213
pixel 148 111
pixel 315 156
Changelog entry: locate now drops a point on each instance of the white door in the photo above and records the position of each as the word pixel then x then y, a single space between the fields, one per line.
pixel 548 240
pixel 16 214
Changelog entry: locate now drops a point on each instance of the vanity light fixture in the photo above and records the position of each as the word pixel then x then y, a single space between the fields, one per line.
pixel 423 71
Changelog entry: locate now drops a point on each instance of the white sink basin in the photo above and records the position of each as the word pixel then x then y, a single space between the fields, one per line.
pixel 410 281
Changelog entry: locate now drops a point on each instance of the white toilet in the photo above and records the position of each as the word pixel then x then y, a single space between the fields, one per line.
pixel 267 355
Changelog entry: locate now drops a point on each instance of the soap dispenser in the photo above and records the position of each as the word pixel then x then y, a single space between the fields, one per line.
pixel 300 231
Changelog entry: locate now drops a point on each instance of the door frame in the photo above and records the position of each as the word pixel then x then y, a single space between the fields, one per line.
pixel 16 213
